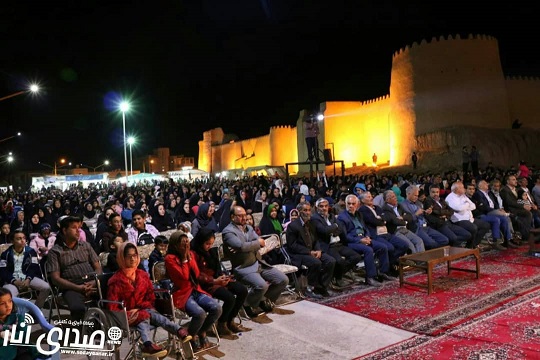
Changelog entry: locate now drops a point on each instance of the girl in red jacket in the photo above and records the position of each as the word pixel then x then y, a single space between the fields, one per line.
pixel 187 293
pixel 133 286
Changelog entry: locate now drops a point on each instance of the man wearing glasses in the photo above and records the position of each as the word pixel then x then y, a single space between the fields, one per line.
pixel 241 246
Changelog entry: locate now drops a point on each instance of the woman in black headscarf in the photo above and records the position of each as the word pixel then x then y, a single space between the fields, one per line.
pixel 162 220
pixel 204 218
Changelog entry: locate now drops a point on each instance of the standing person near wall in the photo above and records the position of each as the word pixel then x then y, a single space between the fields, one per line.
pixel 311 132
pixel 474 160
pixel 414 159
pixel 465 157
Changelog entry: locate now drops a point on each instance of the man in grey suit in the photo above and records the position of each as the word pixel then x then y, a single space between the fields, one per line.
pixel 241 246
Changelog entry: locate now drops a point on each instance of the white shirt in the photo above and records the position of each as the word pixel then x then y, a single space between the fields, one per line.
pixel 462 206
pixel 18 262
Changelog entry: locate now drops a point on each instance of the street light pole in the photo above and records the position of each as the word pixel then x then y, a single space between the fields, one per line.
pixel 10 137
pixel 33 88
pixel 131 141
pixel 124 106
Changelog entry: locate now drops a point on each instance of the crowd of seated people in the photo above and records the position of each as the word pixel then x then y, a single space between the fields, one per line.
pixel 330 226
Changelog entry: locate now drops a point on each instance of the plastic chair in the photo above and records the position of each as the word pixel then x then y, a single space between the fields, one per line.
pixel 26 307
pixel 165 304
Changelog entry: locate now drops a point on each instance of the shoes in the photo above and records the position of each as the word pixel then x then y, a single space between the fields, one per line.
pixel 511 244
pixel 373 282
pixel 222 329
pixel 153 350
pixel 252 313
pixel 498 246
pixel 262 319
pixel 322 291
pixel 387 277
pixel 237 328
pixel 183 335
pixel 338 283
pixel 205 343
pixel 266 306
pixel 281 311
pixel 311 294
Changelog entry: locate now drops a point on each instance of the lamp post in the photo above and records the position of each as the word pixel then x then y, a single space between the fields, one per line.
pixel 131 141
pixel 124 107
pixel 56 167
pixel 9 158
pixel 10 137
pixel 106 162
pixel 33 88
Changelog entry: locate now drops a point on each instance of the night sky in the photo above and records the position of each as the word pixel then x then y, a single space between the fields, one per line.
pixel 192 66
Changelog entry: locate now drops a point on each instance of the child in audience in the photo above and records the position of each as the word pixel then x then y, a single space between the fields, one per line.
pixel 161 243
pixel 112 264
pixel 8 318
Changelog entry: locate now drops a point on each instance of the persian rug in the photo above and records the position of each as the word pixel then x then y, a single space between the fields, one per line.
pixel 457 297
pixel 511 331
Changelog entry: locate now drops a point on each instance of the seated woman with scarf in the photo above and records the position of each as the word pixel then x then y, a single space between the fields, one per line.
pixel 218 284
pixel 269 225
pixel 187 293
pixel 205 218
pixel 133 286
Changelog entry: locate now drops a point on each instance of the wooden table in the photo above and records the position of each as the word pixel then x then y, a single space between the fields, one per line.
pixel 428 259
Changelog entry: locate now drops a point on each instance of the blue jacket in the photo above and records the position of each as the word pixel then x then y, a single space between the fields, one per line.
pixel 30 266
pixel 346 220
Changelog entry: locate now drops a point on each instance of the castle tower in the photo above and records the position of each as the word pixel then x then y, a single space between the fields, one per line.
pixel 447 82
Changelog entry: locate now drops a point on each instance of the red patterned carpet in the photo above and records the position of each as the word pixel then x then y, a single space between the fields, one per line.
pixel 510 331
pixel 458 298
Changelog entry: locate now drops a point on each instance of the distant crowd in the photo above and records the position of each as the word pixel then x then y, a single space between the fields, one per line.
pixel 328 225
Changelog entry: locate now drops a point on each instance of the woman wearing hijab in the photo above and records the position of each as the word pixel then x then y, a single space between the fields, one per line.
pixel 162 220
pixel 133 287
pixel 185 213
pixel 204 218
pixel 221 286
pixel 188 295
pixel 269 225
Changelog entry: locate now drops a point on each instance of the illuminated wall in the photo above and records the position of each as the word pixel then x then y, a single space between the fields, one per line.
pixel 523 100
pixel 434 85
pixel 277 148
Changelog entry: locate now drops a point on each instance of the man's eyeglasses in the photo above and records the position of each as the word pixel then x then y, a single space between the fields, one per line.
pixel 240 216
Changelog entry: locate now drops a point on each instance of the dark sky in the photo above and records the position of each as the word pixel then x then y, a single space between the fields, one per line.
pixel 188 67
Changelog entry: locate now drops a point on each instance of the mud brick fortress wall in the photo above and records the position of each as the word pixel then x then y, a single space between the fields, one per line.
pixel 444 94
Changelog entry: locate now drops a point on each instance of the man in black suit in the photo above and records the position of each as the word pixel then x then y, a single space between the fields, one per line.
pixel 439 218
pixel 486 210
pixel 397 220
pixel 304 248
pixel 332 241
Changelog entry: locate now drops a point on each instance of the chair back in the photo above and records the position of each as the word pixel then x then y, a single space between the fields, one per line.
pixel 102 282
pixel 159 271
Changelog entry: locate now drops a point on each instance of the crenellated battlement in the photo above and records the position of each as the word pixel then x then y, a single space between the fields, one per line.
pixel 278 127
pixel 441 39
pixel 372 101
pixel 522 78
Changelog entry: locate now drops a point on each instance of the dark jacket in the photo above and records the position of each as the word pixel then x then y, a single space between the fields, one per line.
pixel 325 231
pixel 392 221
pixel 30 266
pixel 298 242
pixel 440 214
pixel 345 219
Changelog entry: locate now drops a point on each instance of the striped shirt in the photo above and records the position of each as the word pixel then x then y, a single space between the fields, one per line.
pixel 73 264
